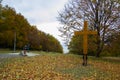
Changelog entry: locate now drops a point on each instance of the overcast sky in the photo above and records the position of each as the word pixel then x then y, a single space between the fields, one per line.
pixel 41 13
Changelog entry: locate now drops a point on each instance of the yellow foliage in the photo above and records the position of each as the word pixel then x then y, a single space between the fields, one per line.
pixel 47 67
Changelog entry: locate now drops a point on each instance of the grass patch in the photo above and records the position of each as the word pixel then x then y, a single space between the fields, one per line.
pixel 54 66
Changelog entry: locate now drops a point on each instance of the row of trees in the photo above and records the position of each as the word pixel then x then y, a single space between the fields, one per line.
pixel 111 47
pixel 102 15
pixel 76 45
pixel 15 26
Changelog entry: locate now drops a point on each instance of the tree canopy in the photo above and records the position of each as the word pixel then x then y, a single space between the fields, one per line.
pixel 12 23
pixel 102 15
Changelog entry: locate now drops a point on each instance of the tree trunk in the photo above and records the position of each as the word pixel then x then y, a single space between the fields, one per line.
pixel 98 43
pixel 98 46
pixel 98 52
pixel 97 26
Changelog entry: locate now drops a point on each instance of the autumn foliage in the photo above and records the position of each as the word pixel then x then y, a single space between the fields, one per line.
pixel 59 67
pixel 12 23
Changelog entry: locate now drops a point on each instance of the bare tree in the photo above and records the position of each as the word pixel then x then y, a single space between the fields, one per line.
pixel 102 15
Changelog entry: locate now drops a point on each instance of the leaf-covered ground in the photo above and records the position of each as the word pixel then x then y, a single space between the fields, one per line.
pixel 58 67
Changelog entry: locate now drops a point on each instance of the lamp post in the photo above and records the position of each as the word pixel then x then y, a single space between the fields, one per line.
pixel 14 41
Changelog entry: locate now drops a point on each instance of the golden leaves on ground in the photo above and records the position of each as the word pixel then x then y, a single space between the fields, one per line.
pixel 59 67
pixel 113 69
pixel 35 68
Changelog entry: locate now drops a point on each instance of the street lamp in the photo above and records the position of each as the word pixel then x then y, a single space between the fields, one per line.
pixel 14 41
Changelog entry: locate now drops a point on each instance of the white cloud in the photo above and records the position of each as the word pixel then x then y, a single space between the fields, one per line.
pixel 37 10
pixel 50 28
